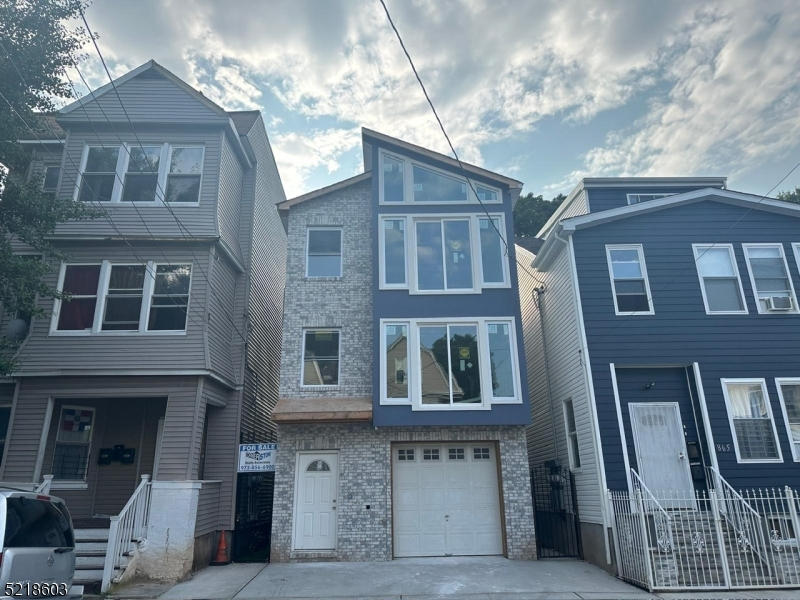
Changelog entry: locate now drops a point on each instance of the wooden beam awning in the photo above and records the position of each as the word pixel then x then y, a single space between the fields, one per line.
pixel 330 410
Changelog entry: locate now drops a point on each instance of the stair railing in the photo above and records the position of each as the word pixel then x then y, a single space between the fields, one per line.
pixel 44 487
pixel 127 528
pixel 741 516
pixel 661 520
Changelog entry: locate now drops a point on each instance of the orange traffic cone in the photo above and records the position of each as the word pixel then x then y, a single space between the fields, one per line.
pixel 222 551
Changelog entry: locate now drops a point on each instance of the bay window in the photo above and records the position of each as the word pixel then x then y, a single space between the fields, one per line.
pixel 112 298
pixel 453 364
pixel 442 254
pixel 146 173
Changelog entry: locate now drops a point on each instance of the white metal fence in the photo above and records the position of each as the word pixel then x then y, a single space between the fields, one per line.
pixel 719 539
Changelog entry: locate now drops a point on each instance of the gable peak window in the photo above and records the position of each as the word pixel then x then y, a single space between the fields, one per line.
pixel 144 173
pixel 630 287
pixel 403 179
pixel 324 252
pixel 639 198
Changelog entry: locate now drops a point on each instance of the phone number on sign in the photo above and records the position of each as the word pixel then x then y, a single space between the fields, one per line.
pixel 33 590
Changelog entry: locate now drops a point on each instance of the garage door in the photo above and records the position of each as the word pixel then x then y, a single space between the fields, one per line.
pixel 445 500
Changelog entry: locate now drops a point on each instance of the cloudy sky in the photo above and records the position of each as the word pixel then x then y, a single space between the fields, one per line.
pixel 546 92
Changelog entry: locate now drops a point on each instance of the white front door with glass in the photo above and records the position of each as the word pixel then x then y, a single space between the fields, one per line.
pixel 315 501
pixel 446 500
pixel 661 452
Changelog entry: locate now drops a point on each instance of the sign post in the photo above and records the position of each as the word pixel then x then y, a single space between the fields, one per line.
pixel 257 458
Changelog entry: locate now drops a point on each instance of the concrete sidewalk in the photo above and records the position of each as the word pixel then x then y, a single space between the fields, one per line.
pixel 456 578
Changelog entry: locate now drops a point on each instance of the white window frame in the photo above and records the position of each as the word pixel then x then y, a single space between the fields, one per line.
pixel 408 183
pixel 788 381
pixel 654 197
pixel 65 484
pixel 123 159
pixel 338 228
pixel 303 358
pixel 415 381
pixel 640 249
pixel 571 454
pixel 751 381
pixel 102 292
pixel 745 248
pixel 382 252
pixel 476 251
pixel 698 252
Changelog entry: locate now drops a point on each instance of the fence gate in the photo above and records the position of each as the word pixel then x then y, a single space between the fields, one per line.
pixel 555 506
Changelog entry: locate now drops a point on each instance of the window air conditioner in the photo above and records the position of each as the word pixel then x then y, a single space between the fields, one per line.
pixel 779 303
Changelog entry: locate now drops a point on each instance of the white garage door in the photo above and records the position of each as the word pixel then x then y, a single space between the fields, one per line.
pixel 446 500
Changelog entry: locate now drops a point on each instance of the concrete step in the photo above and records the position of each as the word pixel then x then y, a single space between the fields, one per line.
pixel 91 535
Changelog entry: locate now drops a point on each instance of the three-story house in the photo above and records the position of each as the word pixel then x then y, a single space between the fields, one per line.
pixel 403 396
pixel 663 345
pixel 165 356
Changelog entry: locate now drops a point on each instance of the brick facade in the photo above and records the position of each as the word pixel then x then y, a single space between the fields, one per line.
pixel 336 302
pixel 365 479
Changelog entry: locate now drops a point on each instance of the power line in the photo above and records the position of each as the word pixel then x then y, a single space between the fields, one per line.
pixel 100 206
pixel 447 137
pixel 158 185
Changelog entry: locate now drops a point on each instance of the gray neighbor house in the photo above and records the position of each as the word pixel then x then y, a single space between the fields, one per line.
pixel 135 394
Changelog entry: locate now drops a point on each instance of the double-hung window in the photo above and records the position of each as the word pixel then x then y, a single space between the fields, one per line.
pixel 719 279
pixel 115 298
pixel 141 173
pixel 324 252
pixel 789 394
pixel 50 181
pixel 572 435
pixel 320 357
pixel 755 438
pixel 770 278
pixel 73 443
pixel 405 180
pixel 456 364
pixel 442 254
pixel 631 289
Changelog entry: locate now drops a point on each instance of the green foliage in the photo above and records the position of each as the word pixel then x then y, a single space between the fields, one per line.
pixel 36 46
pixel 531 213
pixel 790 196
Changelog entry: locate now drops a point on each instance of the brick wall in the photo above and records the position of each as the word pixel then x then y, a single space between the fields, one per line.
pixel 336 302
pixel 365 478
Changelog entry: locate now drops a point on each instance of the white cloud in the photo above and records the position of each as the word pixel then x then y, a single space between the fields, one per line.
pixel 721 77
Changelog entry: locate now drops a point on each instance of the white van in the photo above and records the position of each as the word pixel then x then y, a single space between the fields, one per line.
pixel 37 545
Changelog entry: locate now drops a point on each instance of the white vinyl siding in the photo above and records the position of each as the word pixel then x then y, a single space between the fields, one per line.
pixel 566 377
pixel 719 279
pixel 755 437
pixel 572 435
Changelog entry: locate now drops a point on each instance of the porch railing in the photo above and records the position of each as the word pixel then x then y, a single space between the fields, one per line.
pixel 693 540
pixel 126 529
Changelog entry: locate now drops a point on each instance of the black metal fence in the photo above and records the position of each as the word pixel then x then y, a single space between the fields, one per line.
pixel 555 505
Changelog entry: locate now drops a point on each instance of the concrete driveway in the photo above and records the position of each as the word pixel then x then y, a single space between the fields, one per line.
pixel 473 578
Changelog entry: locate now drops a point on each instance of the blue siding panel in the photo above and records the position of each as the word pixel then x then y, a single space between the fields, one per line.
pixel 680 333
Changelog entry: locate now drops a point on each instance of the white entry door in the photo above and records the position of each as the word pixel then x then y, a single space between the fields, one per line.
pixel 315 501
pixel 661 452
pixel 446 500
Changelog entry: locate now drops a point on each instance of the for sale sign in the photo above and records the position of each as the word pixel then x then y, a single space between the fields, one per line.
pixel 257 458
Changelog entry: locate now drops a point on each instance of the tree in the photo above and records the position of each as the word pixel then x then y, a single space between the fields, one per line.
pixel 531 213
pixel 790 196
pixel 35 47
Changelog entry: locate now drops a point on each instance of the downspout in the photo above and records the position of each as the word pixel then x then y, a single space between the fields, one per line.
pixel 537 299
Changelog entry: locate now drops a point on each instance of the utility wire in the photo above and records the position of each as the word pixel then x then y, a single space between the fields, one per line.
pixel 99 205
pixel 447 137
pixel 158 185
